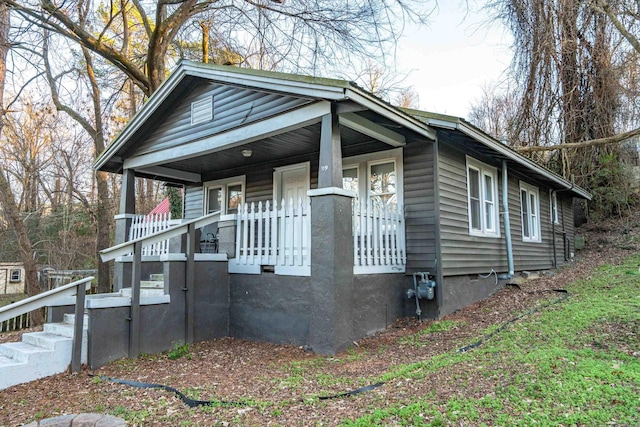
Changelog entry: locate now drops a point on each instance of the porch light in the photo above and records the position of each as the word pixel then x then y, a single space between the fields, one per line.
pixel 247 153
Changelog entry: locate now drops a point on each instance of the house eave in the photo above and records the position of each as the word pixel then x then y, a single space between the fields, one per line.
pixel 451 122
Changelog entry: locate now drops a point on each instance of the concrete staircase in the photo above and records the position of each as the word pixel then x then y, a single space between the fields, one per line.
pixel 152 287
pixel 40 354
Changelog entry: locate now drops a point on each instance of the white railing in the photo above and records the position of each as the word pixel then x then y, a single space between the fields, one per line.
pixel 274 236
pixel 144 225
pixel 378 239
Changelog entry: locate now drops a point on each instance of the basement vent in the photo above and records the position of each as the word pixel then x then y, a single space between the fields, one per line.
pixel 202 111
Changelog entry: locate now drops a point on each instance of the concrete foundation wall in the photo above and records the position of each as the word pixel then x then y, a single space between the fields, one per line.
pixel 270 308
pixel 377 301
pixel 461 291
pixel 163 326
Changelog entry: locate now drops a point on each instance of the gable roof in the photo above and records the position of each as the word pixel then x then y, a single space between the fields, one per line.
pixel 311 87
pixel 498 150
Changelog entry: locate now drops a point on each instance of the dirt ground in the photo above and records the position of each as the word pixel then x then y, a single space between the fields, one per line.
pixel 289 378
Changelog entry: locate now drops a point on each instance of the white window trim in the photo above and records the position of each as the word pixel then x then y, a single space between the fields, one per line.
pixel 553 201
pixel 18 279
pixel 371 163
pixel 530 189
pixel 363 162
pixel 223 184
pixel 483 170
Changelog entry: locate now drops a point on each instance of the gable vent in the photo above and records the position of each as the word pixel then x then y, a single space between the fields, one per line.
pixel 202 110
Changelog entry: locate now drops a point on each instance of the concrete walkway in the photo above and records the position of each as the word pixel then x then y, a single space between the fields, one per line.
pixel 80 420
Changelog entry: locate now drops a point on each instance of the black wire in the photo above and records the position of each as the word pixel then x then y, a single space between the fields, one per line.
pixel 508 322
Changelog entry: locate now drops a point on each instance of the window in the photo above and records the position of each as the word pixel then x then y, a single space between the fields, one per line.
pixel 15 275
pixel 225 196
pixel 350 178
pixel 376 178
pixel 482 194
pixel 553 202
pixel 530 206
pixel 382 182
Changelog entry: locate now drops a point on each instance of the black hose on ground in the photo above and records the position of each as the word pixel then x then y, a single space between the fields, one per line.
pixel 515 319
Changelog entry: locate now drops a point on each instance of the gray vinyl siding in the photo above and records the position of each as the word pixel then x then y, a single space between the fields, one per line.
pixel 419 205
pixel 193 201
pixel 232 106
pixel 463 254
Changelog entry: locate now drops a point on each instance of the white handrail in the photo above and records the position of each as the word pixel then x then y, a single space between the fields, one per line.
pixel 127 247
pixel 41 300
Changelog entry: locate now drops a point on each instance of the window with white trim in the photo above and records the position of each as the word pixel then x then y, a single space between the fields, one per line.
pixel 15 275
pixel 350 178
pixel 225 195
pixel 553 207
pixel 482 197
pixel 375 177
pixel 383 182
pixel 530 208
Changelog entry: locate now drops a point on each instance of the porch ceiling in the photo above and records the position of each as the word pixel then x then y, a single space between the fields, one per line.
pixel 298 143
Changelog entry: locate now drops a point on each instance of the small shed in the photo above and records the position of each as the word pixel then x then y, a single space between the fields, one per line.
pixel 12 278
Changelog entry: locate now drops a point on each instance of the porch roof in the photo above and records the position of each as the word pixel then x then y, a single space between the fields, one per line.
pixel 473 138
pixel 365 118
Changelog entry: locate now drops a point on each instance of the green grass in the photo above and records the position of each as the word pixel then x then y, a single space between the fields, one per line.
pixel 572 363
pixel 420 338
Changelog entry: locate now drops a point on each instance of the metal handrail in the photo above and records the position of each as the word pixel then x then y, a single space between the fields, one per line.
pixel 177 230
pixel 49 297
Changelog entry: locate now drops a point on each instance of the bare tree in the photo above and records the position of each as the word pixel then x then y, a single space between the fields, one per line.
pixel 567 70
pixel 9 207
pixel 304 34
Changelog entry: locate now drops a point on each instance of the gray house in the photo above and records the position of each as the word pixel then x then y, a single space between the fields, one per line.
pixel 311 207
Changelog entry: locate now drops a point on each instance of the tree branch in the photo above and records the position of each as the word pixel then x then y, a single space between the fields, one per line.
pixel 621 137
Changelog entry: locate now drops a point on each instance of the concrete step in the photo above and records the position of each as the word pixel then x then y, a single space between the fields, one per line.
pixel 45 340
pixel 24 352
pixel 157 277
pixel 145 292
pixel 151 284
pixel 39 354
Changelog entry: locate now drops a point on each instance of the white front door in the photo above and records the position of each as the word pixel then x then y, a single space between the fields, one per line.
pixel 291 183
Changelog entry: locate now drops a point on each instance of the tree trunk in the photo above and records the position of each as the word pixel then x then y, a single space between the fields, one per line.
pixel 9 206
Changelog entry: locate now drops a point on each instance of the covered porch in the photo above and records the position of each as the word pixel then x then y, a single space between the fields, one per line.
pixel 282 176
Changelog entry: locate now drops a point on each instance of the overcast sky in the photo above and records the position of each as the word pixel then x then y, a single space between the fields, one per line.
pixel 450 61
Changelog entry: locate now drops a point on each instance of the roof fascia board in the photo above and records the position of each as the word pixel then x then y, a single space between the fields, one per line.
pixel 516 157
pixel 141 116
pixel 390 112
pixel 170 173
pixel 254 131
pixel 374 130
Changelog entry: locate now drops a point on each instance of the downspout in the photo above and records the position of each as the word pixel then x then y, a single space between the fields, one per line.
pixel 553 230
pixel 505 216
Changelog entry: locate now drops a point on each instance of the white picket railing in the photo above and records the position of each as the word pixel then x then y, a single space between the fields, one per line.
pixel 144 225
pixel 275 236
pixel 378 239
